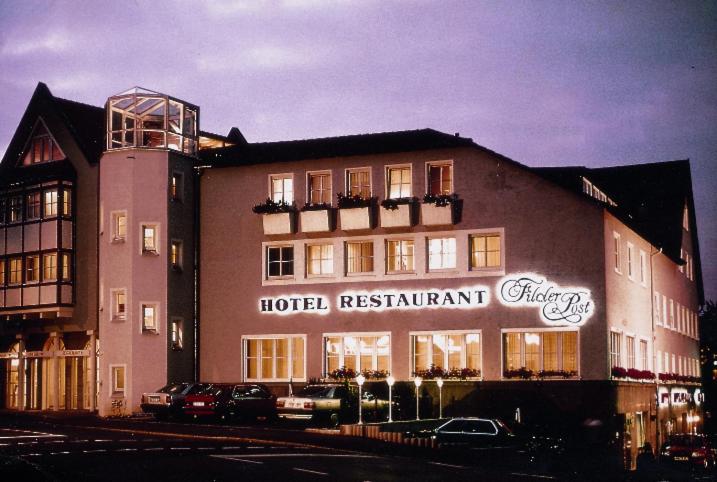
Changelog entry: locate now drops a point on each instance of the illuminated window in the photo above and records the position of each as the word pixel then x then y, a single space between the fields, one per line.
pixel 32 205
pixel 398 182
pixel 66 266
pixel 320 188
pixel 32 269
pixel 3 212
pixel 42 148
pixel 319 259
pixel 274 358
pixel 175 254
pixel 279 261
pixel 2 272
pixel 357 352
pixel 399 255
pixel 118 378
pixel 66 202
pixel 119 226
pixel 176 187
pixel 359 257
pixel 630 350
pixel 282 188
pixel 441 253
pixel 358 182
pixel 15 271
pixel 177 334
pixel 616 252
pixel 685 219
pixel 547 351
pixel 485 251
pixel 119 304
pixel 149 317
pixel 15 209
pixel 51 203
pixel 149 238
pixel 440 179
pixel 49 266
pixel 615 349
pixel 449 351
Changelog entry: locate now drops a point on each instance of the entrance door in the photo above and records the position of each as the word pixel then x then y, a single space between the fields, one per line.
pixel 11 383
pixel 74 382
pixel 33 383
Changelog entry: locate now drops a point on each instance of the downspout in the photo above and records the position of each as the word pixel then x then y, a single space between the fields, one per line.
pixel 199 170
pixel 654 357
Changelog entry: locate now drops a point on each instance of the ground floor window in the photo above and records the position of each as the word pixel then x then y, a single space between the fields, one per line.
pixel 358 352
pixel 274 358
pixel 540 352
pixel 449 351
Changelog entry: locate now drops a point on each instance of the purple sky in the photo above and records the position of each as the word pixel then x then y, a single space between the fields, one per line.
pixel 545 83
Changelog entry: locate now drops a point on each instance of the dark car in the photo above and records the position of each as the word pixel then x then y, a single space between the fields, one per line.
pixel 211 401
pixel 251 401
pixel 688 449
pixel 475 432
pixel 168 401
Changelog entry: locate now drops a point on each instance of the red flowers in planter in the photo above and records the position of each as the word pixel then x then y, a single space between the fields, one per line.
pixel 674 377
pixel 632 373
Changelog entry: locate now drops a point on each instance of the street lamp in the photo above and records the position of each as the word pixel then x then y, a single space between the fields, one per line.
pixel 359 380
pixel 390 380
pixel 439 382
pixel 417 381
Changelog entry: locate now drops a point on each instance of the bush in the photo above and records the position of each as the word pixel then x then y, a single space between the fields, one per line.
pixel 271 207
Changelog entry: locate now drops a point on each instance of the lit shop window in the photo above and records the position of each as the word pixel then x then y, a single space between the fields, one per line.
pixel 485 251
pixel 441 253
pixel 615 349
pixel 176 187
pixel 15 271
pixel 319 259
pixel 547 351
pixel 320 188
pixel 15 209
pixel 119 226
pixel 177 334
pixel 449 351
pixel 32 269
pixel 49 267
pixel 118 378
pixel 32 205
pixel 398 182
pixel 400 256
pixel 149 317
pixel 119 304
pixel 149 238
pixel 358 352
pixel 274 359
pixel 282 188
pixel 175 254
pixel 358 182
pixel 42 148
pixel 51 203
pixel 440 179
pixel 279 261
pixel 359 257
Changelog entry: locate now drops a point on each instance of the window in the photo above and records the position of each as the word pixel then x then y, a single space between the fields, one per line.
pixel 630 261
pixel 656 310
pixel 279 261
pixel 32 205
pixel 399 255
pixel 149 317
pixel 616 252
pixel 49 267
pixel 449 351
pixel 66 202
pixel 2 272
pixel 119 304
pixel 643 355
pixel 3 211
pixel 320 188
pixel 274 358
pixel 357 352
pixel 177 334
pixel 685 219
pixel 672 315
pixel 658 361
pixel 643 268
pixel 118 378
pixel 42 147
pixel 630 349
pixel 176 186
pixel 66 265
pixel 441 253
pixel 319 259
pixel 15 209
pixel 149 238
pixel 666 366
pixel 282 188
pixel 440 179
pixel 175 254
pixel 358 182
pixel 682 257
pixel 119 226
pixel 615 342
pixel 359 257
pixel 399 182
pixel 485 251
pixel 547 351
pixel 32 269
pixel 51 203
pixel 15 271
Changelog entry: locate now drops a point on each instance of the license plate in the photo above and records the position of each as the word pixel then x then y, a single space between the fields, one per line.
pixel 198 404
pixel 682 459
pixel 154 399
pixel 297 405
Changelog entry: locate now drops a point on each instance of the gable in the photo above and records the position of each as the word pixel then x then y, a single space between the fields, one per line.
pixel 40 147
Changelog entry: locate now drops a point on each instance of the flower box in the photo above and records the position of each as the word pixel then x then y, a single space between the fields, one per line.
pixel 355 218
pixel 400 217
pixel 433 215
pixel 315 221
pixel 279 223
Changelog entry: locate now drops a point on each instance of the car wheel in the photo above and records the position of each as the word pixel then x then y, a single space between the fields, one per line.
pixel 334 420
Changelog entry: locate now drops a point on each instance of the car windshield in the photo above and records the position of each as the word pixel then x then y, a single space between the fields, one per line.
pixel 315 391
pixel 173 388
pixel 247 392
pixel 196 389
pixel 686 440
pixel 211 390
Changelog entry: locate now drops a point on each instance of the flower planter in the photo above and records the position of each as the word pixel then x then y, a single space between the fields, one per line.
pixel 318 221
pixel 396 218
pixel 432 215
pixel 355 218
pixel 279 223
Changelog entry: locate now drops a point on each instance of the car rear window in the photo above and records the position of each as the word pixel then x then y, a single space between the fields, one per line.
pixel 251 391
pixel 479 426
pixel 686 440
pixel 316 391
pixel 173 388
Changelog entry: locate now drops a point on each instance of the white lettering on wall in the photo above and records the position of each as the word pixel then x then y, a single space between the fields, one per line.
pixel 382 300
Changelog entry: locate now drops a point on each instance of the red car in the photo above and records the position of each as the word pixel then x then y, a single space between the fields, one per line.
pixel 210 401
pixel 688 449
pixel 222 401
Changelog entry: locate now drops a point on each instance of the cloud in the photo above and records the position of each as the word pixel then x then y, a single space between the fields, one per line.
pixel 265 57
pixel 53 42
pixel 221 8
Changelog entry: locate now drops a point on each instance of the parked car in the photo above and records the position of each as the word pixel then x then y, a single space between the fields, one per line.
pixel 251 401
pixel 211 400
pixel 689 449
pixel 168 401
pixel 475 432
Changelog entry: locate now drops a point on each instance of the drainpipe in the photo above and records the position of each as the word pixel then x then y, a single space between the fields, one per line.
pixel 199 170
pixel 654 357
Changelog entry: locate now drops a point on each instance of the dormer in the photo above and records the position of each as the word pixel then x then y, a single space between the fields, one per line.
pixel 41 146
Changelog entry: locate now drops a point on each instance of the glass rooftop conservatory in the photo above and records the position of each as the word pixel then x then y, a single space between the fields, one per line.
pixel 146 119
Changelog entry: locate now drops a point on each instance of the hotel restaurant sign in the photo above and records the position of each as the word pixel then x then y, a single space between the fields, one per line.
pixel 556 304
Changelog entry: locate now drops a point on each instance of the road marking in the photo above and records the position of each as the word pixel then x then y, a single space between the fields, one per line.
pixel 232 448
pixel 102 440
pixel 310 471
pixel 126 450
pixel 236 459
pixel 447 465
pixel 94 451
pixel 153 449
pixel 59 453
pixel 350 456
pixel 521 474
pixel 180 448
pixel 206 448
pixel 46 435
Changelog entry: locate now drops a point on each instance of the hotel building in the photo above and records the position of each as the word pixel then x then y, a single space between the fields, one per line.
pixel 137 249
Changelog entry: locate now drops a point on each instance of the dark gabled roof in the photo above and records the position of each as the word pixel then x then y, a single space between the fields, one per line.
pixel 354 145
pixel 87 124
pixel 650 199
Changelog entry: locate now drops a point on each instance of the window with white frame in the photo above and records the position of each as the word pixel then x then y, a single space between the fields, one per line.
pixel 441 253
pixel 665 319
pixel 49 266
pixel 440 178
pixel 547 351
pixel 119 304
pixel 400 256
pixel 674 363
pixel 359 257
pixel 358 182
pixel 119 226
pixel 398 182
pixel 15 271
pixel 656 309
pixel 279 261
pixel 630 351
pixel 32 269
pixel 282 188
pixel 50 203
pixel 630 261
pixel 177 333
pixel 319 259
pixel 319 187
pixel 485 251
pixel 617 252
pixel 279 358
pixel 666 364
pixel 658 360
pixel 681 267
pixel 150 315
pixel 673 326
pixel 150 234
pixel 615 349
pixel 358 352
pixel 117 374
pixel 643 268
pixel 448 350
